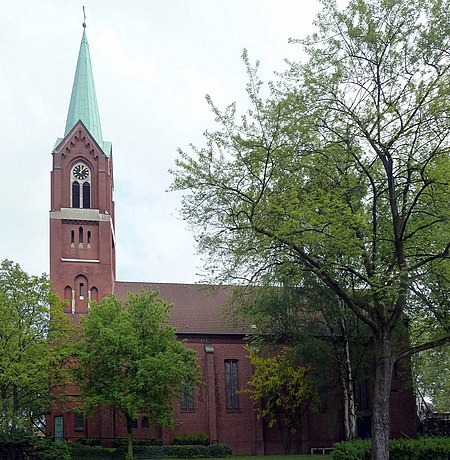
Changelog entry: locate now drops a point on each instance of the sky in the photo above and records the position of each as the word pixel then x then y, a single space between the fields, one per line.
pixel 153 63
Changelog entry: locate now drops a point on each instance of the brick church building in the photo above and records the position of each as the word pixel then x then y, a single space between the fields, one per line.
pixel 83 269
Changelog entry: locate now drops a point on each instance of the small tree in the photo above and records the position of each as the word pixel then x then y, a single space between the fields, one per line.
pixel 282 387
pixel 130 359
pixel 35 340
pixel 319 328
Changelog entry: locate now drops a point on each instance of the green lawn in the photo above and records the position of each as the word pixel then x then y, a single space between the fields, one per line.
pixel 282 457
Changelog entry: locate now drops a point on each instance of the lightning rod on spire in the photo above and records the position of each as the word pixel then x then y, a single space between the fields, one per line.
pixel 84 18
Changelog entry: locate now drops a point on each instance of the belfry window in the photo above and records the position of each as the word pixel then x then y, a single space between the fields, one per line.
pixel 86 195
pixel 75 194
pixel 80 177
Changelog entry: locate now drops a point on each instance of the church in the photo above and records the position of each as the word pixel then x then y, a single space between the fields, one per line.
pixel 83 270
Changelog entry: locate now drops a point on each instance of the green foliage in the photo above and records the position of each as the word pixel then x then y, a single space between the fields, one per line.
pixel 92 442
pixel 86 452
pixel 341 173
pixel 352 450
pixel 430 320
pixel 199 439
pixel 283 387
pixel 426 448
pixel 129 358
pixel 35 346
pixel 184 451
pixel 121 442
pixel 432 377
pixel 32 447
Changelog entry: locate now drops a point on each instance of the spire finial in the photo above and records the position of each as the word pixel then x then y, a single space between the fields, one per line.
pixel 84 18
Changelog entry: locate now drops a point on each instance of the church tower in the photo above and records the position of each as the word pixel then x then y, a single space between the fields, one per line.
pixel 82 240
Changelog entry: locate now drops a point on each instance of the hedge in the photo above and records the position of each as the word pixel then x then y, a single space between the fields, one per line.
pixel 80 452
pixel 199 439
pixel 32 448
pixel 83 452
pixel 426 448
pixel 144 452
pixel 123 442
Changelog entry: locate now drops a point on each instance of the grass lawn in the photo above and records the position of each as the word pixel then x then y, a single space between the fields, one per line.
pixel 282 457
pixel 276 457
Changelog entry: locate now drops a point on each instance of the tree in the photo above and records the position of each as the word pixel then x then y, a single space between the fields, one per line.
pixel 283 387
pixel 34 348
pixel 322 332
pixel 129 359
pixel 343 172
pixel 432 378
pixel 430 320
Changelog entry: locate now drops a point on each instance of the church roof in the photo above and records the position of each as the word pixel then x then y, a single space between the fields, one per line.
pixel 83 101
pixel 197 309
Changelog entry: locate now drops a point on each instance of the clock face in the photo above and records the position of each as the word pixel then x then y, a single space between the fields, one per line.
pixel 81 171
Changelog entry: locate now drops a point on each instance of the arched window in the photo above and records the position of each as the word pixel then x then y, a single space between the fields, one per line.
pixel 80 235
pixel 75 194
pixel 94 293
pixel 86 195
pixel 68 293
pixel 80 294
pixel 89 239
pixel 72 237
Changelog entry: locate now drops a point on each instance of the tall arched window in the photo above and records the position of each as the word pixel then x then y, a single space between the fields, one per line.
pixel 94 293
pixel 80 177
pixel 75 194
pixel 86 195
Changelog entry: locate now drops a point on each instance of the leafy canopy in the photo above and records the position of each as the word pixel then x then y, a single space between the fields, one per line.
pixel 343 172
pixel 35 340
pixel 283 387
pixel 130 359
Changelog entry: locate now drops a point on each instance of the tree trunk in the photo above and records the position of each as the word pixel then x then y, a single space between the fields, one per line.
pixel 381 401
pixel 129 438
pixel 349 395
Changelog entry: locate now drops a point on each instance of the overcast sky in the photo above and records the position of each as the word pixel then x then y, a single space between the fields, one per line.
pixel 153 62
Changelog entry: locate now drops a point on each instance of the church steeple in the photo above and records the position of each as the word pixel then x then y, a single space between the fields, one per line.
pixel 83 101
pixel 82 240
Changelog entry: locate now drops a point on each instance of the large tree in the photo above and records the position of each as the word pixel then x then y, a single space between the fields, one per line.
pixel 129 359
pixel 342 172
pixel 34 348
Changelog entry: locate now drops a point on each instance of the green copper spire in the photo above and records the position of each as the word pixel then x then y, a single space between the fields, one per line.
pixel 83 102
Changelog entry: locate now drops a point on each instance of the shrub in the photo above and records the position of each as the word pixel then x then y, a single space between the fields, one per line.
pixel 82 452
pixel 199 439
pixel 146 452
pixel 426 448
pixel 353 450
pixel 123 442
pixel 88 441
pixel 220 451
pixel 32 447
